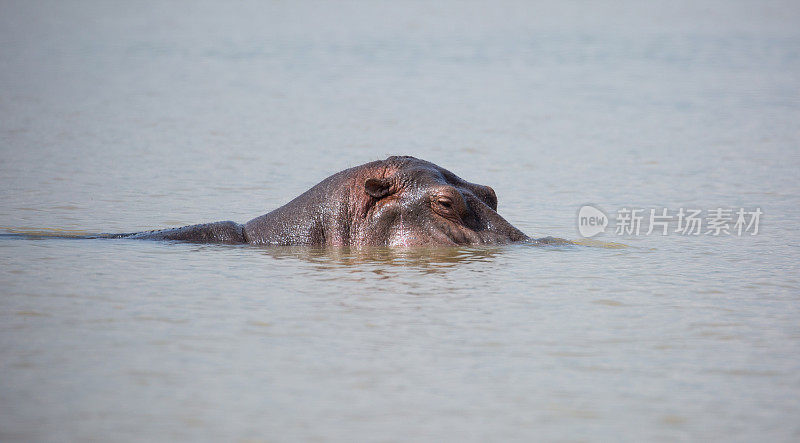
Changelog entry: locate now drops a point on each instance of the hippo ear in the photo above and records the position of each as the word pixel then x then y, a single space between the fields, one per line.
pixel 377 187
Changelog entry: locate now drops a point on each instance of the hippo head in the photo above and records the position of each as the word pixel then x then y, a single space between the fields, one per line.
pixel 400 201
pixel 411 202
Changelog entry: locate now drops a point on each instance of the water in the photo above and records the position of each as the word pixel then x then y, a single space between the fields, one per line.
pixel 130 116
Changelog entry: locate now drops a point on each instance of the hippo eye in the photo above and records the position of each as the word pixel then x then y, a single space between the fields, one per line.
pixel 447 207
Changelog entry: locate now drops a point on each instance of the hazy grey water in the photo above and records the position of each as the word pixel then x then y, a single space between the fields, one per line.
pixel 127 116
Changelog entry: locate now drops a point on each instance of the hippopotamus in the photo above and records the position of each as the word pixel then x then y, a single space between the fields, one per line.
pixel 398 202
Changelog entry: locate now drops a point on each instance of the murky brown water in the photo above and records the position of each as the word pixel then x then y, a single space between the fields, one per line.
pixel 132 116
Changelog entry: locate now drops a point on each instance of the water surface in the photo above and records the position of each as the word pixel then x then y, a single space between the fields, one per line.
pixel 118 117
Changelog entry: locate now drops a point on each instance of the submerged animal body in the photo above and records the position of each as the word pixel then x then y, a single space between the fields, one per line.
pixel 401 201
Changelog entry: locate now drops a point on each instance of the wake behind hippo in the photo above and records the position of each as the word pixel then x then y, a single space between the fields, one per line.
pixel 400 201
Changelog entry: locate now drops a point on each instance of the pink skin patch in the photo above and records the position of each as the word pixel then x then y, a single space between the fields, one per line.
pixel 402 238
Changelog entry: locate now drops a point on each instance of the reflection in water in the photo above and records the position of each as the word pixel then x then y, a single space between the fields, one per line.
pixel 345 256
pixel 417 257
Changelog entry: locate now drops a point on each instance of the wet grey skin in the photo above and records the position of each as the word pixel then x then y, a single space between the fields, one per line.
pixel 397 202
